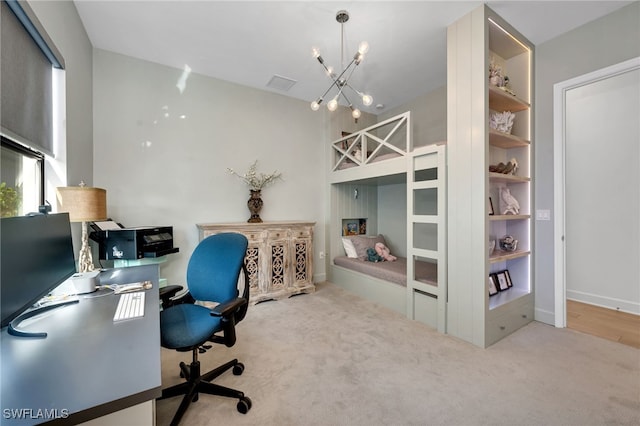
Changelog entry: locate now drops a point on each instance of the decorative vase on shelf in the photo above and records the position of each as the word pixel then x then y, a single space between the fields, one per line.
pixel 255 204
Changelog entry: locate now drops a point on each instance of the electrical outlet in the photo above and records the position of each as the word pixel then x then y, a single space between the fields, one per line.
pixel 321 255
pixel 543 214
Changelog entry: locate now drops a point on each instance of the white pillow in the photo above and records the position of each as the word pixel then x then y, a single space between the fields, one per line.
pixel 349 248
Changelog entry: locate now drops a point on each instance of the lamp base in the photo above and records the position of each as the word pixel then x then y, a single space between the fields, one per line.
pixel 85 282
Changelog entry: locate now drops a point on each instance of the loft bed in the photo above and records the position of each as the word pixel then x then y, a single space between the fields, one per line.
pixel 415 284
pixel 378 150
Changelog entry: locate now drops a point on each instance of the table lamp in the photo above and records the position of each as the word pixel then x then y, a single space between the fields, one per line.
pixel 84 204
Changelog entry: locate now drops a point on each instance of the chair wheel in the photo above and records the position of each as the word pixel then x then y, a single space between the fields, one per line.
pixel 244 405
pixel 238 369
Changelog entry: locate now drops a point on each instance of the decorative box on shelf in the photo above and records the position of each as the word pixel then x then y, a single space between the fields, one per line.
pixel 279 258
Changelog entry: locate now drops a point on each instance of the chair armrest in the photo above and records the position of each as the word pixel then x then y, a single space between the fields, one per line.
pixel 168 293
pixel 228 308
pixel 228 313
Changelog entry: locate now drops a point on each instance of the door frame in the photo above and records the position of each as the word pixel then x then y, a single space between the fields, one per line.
pixel 559 136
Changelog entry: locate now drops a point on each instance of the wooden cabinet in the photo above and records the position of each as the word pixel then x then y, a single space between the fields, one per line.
pixel 477 42
pixel 279 257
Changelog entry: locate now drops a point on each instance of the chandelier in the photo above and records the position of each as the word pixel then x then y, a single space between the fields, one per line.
pixel 341 81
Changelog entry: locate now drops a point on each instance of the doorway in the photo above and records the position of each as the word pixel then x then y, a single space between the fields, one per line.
pixel 597 200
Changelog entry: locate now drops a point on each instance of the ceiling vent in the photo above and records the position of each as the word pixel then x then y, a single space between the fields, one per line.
pixel 281 83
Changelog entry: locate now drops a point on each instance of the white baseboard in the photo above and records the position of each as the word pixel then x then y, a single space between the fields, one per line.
pixel 319 278
pixel 605 302
pixel 543 316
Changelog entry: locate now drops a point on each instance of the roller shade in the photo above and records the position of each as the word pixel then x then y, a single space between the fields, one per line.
pixel 26 58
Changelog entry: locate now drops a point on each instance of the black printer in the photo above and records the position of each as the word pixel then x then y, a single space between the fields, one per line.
pixel 134 243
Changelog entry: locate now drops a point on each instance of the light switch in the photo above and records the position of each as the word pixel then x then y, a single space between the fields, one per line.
pixel 543 214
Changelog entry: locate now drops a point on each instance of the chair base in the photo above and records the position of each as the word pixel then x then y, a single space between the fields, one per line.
pixel 197 384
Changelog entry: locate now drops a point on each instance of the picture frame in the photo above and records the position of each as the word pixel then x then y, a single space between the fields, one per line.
pixel 353 228
pixel 491 211
pixel 502 281
pixel 363 226
pixel 493 288
pixel 508 276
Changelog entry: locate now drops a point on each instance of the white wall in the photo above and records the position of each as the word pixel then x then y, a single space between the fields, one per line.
pixel 428 117
pixel 600 43
pixel 171 171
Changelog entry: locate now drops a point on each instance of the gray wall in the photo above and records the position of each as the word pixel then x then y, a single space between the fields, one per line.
pixel 598 44
pixel 61 21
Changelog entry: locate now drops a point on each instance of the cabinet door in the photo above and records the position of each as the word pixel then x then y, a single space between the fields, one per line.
pixel 252 263
pixel 278 254
pixel 301 250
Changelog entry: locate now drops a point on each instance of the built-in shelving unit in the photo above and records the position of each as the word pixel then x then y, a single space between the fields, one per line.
pixel 475 42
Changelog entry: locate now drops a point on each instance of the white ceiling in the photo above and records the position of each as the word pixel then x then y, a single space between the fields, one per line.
pixel 248 42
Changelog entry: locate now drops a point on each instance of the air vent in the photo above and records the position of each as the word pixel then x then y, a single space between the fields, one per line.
pixel 281 83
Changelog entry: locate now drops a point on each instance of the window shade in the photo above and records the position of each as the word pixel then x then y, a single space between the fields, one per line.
pixel 26 81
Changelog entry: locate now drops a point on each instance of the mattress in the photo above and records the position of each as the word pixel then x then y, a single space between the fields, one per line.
pixel 395 272
pixel 347 164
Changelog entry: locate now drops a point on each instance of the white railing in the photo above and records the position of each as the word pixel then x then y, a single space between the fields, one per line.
pixel 390 138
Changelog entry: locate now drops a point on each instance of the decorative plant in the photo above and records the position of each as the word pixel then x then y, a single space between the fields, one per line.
pixel 254 180
pixel 9 200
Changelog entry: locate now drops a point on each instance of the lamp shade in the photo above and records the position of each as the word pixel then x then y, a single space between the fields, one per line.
pixel 83 203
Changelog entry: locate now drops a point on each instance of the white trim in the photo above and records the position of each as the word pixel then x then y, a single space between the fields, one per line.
pixel 604 302
pixel 559 96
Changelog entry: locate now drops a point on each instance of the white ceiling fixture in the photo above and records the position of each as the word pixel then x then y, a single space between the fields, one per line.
pixel 341 81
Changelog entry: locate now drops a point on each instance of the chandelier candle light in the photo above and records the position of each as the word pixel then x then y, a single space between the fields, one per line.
pixel 340 81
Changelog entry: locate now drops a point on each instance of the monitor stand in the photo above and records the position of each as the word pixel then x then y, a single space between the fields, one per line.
pixel 13 325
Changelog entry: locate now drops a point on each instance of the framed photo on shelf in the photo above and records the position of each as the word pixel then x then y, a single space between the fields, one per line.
pixel 502 281
pixel 363 226
pixel 508 276
pixel 493 288
pixel 491 212
pixel 353 228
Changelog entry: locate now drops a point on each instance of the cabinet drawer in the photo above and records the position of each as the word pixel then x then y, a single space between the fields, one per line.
pixel 253 237
pixel 277 234
pixel 301 233
pixel 507 320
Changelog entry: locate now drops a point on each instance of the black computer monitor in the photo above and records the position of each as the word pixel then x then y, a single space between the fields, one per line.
pixel 36 257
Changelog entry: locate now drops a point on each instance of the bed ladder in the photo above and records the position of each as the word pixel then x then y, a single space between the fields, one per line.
pixel 427 234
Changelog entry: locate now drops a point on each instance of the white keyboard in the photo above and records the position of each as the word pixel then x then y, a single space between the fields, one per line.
pixel 130 305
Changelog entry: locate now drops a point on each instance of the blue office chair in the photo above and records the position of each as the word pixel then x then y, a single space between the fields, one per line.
pixel 212 275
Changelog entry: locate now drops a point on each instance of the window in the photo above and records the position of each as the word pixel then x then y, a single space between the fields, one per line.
pixel 21 179
pixel 29 65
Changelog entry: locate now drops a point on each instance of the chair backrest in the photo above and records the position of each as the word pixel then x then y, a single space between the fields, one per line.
pixel 214 267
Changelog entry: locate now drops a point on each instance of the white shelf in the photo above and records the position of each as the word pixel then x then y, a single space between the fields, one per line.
pixel 505 140
pixel 505 297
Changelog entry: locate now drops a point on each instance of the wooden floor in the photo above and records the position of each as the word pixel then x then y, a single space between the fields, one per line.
pixel 609 324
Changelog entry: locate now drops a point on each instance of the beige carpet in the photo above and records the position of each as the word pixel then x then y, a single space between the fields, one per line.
pixel 332 358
